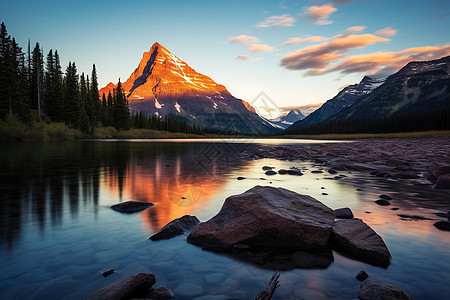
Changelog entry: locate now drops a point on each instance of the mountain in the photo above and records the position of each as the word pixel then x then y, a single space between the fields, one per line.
pixel 345 98
pixel 164 85
pixel 287 119
pixel 419 87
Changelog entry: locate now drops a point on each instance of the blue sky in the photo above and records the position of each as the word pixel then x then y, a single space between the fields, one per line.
pixel 297 52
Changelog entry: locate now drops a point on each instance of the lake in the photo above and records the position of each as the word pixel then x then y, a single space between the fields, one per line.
pixel 58 232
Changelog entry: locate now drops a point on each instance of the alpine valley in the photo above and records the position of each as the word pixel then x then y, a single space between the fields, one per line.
pixel 164 85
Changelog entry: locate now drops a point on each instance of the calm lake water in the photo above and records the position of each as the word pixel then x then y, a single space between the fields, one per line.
pixel 57 232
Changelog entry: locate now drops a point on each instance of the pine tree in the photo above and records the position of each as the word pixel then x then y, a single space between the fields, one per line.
pixel 5 70
pixel 110 109
pixel 121 111
pixel 37 76
pixel 58 90
pixel 95 96
pixel 72 105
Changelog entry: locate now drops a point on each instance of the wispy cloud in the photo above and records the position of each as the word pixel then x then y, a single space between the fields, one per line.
pixel 319 59
pixel 252 43
pixel 247 58
pixel 319 14
pixel 387 32
pixel 277 21
pixel 310 39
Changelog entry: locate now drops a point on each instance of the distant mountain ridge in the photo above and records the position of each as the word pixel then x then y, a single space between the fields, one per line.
pixel 287 119
pixel 164 85
pixel 419 87
pixel 345 98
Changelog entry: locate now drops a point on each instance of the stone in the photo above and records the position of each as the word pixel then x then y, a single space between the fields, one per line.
pixel 108 272
pixel 437 171
pixel 443 182
pixel 271 173
pixel 294 172
pixel 282 171
pixel 267 217
pixel 267 168
pixel 448 216
pixel 357 239
pixel 324 194
pixel 134 286
pixel 383 202
pixel 240 178
pixel 332 171
pixel 376 290
pixel 344 213
pixel 395 208
pixel 442 225
pixel 362 275
pixel 385 197
pixel 316 172
pixel 176 227
pixel 131 206
pixel 160 293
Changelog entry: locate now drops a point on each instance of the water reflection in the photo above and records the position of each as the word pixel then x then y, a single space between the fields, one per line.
pixel 40 182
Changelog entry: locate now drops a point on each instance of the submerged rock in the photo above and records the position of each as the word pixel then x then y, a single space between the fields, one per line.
pixel 267 217
pixel 357 239
pixel 267 168
pixel 131 206
pixel 160 293
pixel 412 217
pixel 271 173
pixel 344 213
pixel 443 182
pixel 135 286
pixel 383 202
pixel 362 275
pixel 108 272
pixel 442 225
pixel 294 172
pixel 176 227
pixel 376 290
pixel 385 197
pixel 282 171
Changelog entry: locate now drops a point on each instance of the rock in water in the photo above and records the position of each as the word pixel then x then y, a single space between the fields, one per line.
pixel 385 197
pixel 357 239
pixel 362 275
pixel 271 173
pixel 442 225
pixel 383 202
pixel 344 213
pixel 108 272
pixel 131 206
pixel 374 289
pixel 176 227
pixel 267 217
pixel 443 182
pixel 160 293
pixel 135 286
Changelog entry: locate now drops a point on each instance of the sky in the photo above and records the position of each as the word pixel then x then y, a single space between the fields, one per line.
pixel 296 52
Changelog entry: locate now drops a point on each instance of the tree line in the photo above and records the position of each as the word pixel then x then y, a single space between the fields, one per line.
pixel 34 89
pixel 405 122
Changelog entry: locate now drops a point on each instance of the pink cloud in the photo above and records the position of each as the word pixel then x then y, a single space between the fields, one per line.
pixel 247 58
pixel 298 40
pixel 277 21
pixel 253 44
pixel 319 14
pixel 387 32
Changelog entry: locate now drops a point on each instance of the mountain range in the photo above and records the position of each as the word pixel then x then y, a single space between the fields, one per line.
pixel 164 85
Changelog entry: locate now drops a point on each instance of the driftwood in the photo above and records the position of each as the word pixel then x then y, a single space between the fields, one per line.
pixel 267 293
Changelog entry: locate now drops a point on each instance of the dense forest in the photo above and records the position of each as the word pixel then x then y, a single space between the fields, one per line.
pixel 34 90
pixel 406 122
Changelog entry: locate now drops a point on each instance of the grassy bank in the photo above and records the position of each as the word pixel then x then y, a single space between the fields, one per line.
pixel 399 135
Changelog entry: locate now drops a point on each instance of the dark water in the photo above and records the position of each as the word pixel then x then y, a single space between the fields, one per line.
pixel 57 232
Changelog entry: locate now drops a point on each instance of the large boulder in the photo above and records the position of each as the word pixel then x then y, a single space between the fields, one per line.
pixel 344 213
pixel 267 217
pixel 376 290
pixel 131 206
pixel 443 182
pixel 135 286
pixel 357 239
pixel 176 227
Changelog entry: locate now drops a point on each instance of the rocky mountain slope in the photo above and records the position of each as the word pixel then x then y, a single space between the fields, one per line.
pixel 287 119
pixel 345 98
pixel 164 85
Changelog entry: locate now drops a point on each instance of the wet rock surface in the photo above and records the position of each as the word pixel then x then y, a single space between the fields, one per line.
pixel 267 217
pixel 131 206
pixel 376 290
pixel 344 213
pixel 442 225
pixel 135 286
pixel 357 239
pixel 176 227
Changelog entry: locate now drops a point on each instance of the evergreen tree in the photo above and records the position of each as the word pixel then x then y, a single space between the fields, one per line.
pixel 95 96
pixel 37 76
pixel 72 105
pixel 5 71
pixel 121 111
pixel 110 109
pixel 58 90
pixel 104 111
